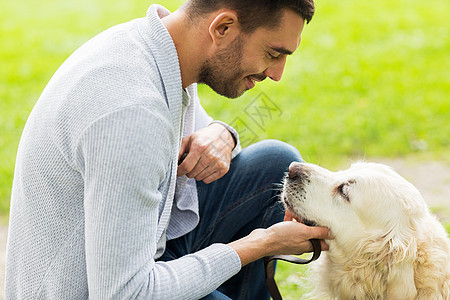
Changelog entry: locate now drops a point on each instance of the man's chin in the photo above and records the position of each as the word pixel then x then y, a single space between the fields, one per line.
pixel 234 96
pixel 228 93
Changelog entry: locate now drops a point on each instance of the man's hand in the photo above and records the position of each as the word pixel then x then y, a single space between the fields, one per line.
pixel 291 237
pixel 208 153
pixel 288 237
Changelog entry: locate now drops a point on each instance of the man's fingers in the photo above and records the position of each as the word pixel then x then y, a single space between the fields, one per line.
pixel 183 147
pixel 213 177
pixel 208 158
pixel 201 169
pixel 324 245
pixel 288 216
pixel 320 233
pixel 188 164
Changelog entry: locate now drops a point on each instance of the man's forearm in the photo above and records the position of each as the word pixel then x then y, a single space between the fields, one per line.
pixel 251 247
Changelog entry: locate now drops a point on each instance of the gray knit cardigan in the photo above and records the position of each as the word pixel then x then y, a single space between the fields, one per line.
pixel 94 195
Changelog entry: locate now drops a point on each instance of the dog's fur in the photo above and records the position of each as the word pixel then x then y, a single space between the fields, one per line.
pixel 387 244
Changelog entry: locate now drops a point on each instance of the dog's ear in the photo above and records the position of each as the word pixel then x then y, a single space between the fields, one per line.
pixel 401 256
pixel 401 283
pixel 391 257
pixel 392 248
pixel 402 243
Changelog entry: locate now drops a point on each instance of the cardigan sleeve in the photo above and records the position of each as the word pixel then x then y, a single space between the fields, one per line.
pixel 125 157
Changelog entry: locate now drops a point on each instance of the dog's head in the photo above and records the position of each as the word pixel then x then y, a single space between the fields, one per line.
pixel 386 243
pixel 368 199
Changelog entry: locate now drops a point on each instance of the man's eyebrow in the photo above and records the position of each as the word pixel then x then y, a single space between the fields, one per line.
pixel 281 50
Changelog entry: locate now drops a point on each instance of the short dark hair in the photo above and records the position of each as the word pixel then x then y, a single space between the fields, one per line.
pixel 252 14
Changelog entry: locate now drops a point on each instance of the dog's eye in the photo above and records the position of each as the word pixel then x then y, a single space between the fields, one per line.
pixel 343 189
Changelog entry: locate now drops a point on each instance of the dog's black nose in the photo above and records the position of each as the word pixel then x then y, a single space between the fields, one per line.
pixel 294 170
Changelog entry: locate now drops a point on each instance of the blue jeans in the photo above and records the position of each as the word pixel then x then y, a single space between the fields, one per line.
pixel 244 199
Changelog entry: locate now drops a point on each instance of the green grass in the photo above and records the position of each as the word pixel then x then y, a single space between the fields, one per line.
pixel 371 78
pixel 292 280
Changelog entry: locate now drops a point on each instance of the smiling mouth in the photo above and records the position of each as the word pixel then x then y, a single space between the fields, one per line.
pixel 253 79
pixel 251 83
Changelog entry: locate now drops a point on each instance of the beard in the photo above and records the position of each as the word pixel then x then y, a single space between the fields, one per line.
pixel 223 73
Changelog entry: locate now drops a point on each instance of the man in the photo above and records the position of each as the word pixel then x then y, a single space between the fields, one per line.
pixel 109 202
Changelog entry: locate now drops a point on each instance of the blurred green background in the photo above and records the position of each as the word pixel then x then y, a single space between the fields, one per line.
pixel 370 79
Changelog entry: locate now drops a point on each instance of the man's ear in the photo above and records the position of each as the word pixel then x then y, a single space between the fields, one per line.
pixel 224 28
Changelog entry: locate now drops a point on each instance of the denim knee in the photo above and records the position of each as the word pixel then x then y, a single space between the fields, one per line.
pixel 282 150
pixel 275 153
pixel 269 157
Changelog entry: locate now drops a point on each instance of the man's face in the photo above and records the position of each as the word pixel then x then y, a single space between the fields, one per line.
pixel 235 68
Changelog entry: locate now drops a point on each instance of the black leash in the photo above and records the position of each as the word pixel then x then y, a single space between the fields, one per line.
pixel 270 269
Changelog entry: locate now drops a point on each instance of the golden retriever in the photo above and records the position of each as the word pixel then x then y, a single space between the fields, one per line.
pixel 387 244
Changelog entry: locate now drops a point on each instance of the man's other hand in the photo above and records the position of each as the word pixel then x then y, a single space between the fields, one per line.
pixel 208 153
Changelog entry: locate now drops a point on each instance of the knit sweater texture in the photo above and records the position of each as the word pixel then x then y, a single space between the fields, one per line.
pixel 95 193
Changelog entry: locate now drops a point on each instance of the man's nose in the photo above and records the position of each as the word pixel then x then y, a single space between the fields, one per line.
pixel 275 71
